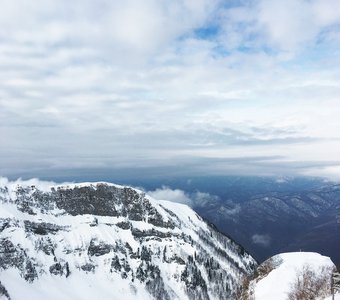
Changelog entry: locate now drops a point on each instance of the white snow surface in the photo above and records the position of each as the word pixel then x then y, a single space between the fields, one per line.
pixel 277 284
pixel 336 297
pixel 71 243
pixel 80 285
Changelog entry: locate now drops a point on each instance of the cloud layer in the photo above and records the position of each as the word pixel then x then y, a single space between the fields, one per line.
pixel 204 86
pixel 169 194
pixel 196 199
pixel 262 240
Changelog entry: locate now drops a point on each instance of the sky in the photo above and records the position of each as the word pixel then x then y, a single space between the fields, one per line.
pixel 182 87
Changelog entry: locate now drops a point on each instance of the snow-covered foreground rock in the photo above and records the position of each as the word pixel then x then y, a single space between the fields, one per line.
pixel 103 241
pixel 285 275
pixel 336 297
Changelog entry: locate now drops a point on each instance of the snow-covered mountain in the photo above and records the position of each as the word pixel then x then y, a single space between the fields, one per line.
pixel 289 276
pixel 104 241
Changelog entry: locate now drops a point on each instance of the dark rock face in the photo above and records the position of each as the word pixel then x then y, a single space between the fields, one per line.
pixel 107 200
pixel 4 293
pixel 14 256
pixel 124 225
pixel 87 200
pixel 4 223
pixel 42 228
pixel 98 249
pixel 88 267
pixel 195 284
pixel 119 232
pixel 155 285
pixel 46 245
pixel 60 269
pixel 150 233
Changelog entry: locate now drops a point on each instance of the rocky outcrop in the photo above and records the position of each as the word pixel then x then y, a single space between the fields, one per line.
pixel 4 293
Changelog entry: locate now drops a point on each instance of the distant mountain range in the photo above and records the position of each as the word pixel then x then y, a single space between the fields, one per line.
pixel 274 222
pixel 267 215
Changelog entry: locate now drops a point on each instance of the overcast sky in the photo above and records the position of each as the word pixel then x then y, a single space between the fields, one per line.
pixel 181 86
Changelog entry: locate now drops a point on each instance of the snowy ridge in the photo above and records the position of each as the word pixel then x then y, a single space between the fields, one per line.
pixel 109 240
pixel 46 186
pixel 287 274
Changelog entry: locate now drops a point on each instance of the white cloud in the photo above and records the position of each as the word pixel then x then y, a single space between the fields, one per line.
pixel 195 199
pixel 131 84
pixel 261 239
pixel 169 194
pixel 332 172
pixel 202 199
pixel 290 24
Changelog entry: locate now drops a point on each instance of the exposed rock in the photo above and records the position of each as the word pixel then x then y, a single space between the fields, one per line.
pixel 4 293
pixel 98 249
pixel 146 233
pixel 60 269
pixel 124 225
pixel 88 267
pixel 42 228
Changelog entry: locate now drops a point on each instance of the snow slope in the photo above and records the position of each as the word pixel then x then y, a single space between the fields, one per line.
pixel 278 283
pixel 105 241
pixel 336 297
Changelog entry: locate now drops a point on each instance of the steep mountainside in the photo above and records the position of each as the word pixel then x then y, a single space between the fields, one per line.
pixel 103 241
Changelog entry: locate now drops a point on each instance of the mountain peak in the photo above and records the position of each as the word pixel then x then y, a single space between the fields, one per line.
pixel 111 240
